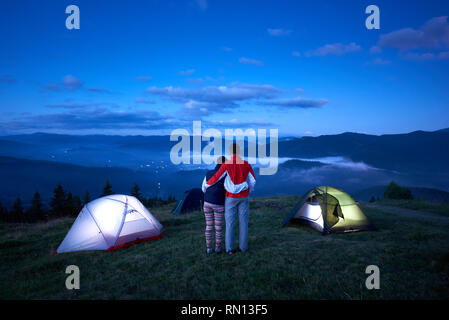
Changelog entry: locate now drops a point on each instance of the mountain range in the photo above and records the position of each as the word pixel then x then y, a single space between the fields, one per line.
pixel 351 161
pixel 418 151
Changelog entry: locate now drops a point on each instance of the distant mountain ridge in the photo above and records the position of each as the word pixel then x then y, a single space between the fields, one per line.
pixel 39 161
pixel 427 194
pixel 418 151
pixel 295 164
pixel 22 177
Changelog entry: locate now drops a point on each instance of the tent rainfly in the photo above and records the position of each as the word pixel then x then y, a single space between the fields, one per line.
pixel 109 223
pixel 193 201
pixel 329 210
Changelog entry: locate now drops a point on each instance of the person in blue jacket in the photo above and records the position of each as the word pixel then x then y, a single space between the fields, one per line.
pixel 214 199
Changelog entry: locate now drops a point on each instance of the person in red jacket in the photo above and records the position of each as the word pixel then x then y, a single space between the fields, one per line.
pixel 239 180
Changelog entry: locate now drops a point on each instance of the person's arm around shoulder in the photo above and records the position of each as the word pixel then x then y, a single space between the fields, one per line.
pixel 203 187
pixel 221 173
pixel 251 179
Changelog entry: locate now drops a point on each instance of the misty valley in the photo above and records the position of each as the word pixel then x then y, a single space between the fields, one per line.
pixel 354 162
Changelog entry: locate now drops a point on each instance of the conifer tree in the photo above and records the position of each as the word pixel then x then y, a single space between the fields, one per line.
pixel 107 190
pixel 135 192
pixel 68 205
pixel 17 211
pixel 36 212
pixel 77 205
pixel 3 213
pixel 86 198
pixel 57 203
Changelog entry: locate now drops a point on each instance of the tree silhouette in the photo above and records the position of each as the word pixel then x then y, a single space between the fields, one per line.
pixel 68 205
pixel 77 205
pixel 17 211
pixel 135 192
pixel 86 198
pixel 3 213
pixel 36 212
pixel 394 191
pixel 107 190
pixel 57 203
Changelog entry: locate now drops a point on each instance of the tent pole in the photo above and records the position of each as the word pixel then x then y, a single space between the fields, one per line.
pixel 121 223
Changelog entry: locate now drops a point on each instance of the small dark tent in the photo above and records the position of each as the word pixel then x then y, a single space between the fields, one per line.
pixel 329 210
pixel 193 201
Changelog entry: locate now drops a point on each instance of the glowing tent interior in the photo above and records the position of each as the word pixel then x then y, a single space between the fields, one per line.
pixel 329 210
pixel 109 223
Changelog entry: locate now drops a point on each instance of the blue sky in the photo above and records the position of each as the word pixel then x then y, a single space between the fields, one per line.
pixel 148 67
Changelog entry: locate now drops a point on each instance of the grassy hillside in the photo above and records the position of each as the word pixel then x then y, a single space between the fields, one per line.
pixel 282 263
pixel 427 194
pixel 416 204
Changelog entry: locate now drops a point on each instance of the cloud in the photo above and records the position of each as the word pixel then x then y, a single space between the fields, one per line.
pixel 143 100
pixel 297 102
pixel 82 105
pixel 420 56
pixel 222 94
pixel 214 99
pixel 143 78
pixel 433 34
pixel 251 61
pixel 443 55
pixel 69 83
pixel 103 120
pixel 207 78
pixel 375 50
pixel 195 80
pixel 187 72
pixel 236 123
pixel 379 61
pixel 98 90
pixel 72 83
pixel 296 54
pixel 97 119
pixel 200 80
pixel 427 56
pixel 197 109
pixel 337 49
pixel 202 102
pixel 202 4
pixel 7 78
pixel 278 32
pixel 227 49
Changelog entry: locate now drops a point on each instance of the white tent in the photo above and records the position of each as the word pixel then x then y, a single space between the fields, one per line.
pixel 109 223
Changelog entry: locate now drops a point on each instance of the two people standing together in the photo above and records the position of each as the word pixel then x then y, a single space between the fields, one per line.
pixel 226 193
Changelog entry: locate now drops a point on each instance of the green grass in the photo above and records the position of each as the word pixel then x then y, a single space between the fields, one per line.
pixel 282 263
pixel 417 204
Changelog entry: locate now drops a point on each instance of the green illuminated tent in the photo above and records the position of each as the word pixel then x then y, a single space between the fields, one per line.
pixel 329 210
